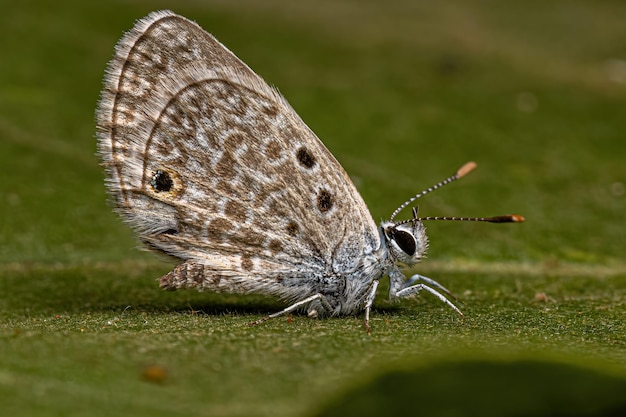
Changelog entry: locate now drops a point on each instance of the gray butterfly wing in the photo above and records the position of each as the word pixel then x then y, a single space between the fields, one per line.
pixel 211 165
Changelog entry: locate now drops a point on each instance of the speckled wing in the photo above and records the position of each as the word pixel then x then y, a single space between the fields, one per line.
pixel 211 165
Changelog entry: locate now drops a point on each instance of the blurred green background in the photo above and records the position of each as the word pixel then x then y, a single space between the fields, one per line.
pixel 402 93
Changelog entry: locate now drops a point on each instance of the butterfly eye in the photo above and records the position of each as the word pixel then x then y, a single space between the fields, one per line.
pixel 405 241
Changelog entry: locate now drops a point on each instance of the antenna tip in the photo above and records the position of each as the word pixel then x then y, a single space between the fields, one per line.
pixel 509 218
pixel 516 218
pixel 466 169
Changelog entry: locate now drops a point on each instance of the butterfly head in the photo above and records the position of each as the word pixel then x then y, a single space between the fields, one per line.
pixel 406 241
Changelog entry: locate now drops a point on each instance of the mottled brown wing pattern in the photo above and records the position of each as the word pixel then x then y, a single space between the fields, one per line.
pixel 211 165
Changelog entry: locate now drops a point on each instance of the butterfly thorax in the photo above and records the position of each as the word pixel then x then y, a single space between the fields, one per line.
pixel 359 282
pixel 399 244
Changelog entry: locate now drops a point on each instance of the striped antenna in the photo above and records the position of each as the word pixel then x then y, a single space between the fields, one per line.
pixel 507 218
pixel 460 173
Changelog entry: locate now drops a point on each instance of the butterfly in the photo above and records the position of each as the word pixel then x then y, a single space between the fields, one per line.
pixel 210 165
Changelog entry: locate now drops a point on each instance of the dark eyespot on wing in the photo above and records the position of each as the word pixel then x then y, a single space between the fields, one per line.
pixel 161 181
pixel 325 201
pixel 305 158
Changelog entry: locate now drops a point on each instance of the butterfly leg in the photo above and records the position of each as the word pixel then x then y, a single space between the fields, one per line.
pixel 430 282
pixel 419 287
pixel 399 288
pixel 368 304
pixel 325 304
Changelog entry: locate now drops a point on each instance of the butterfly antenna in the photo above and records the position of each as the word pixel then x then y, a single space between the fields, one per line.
pixel 461 172
pixel 507 218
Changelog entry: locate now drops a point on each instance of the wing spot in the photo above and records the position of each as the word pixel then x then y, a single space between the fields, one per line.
pixel 275 246
pixel 161 181
pixel 235 211
pixel 273 150
pixel 292 228
pixel 218 229
pixel 246 263
pixel 249 237
pixel 270 110
pixel 233 142
pixel 305 157
pixel 225 167
pixel 325 201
